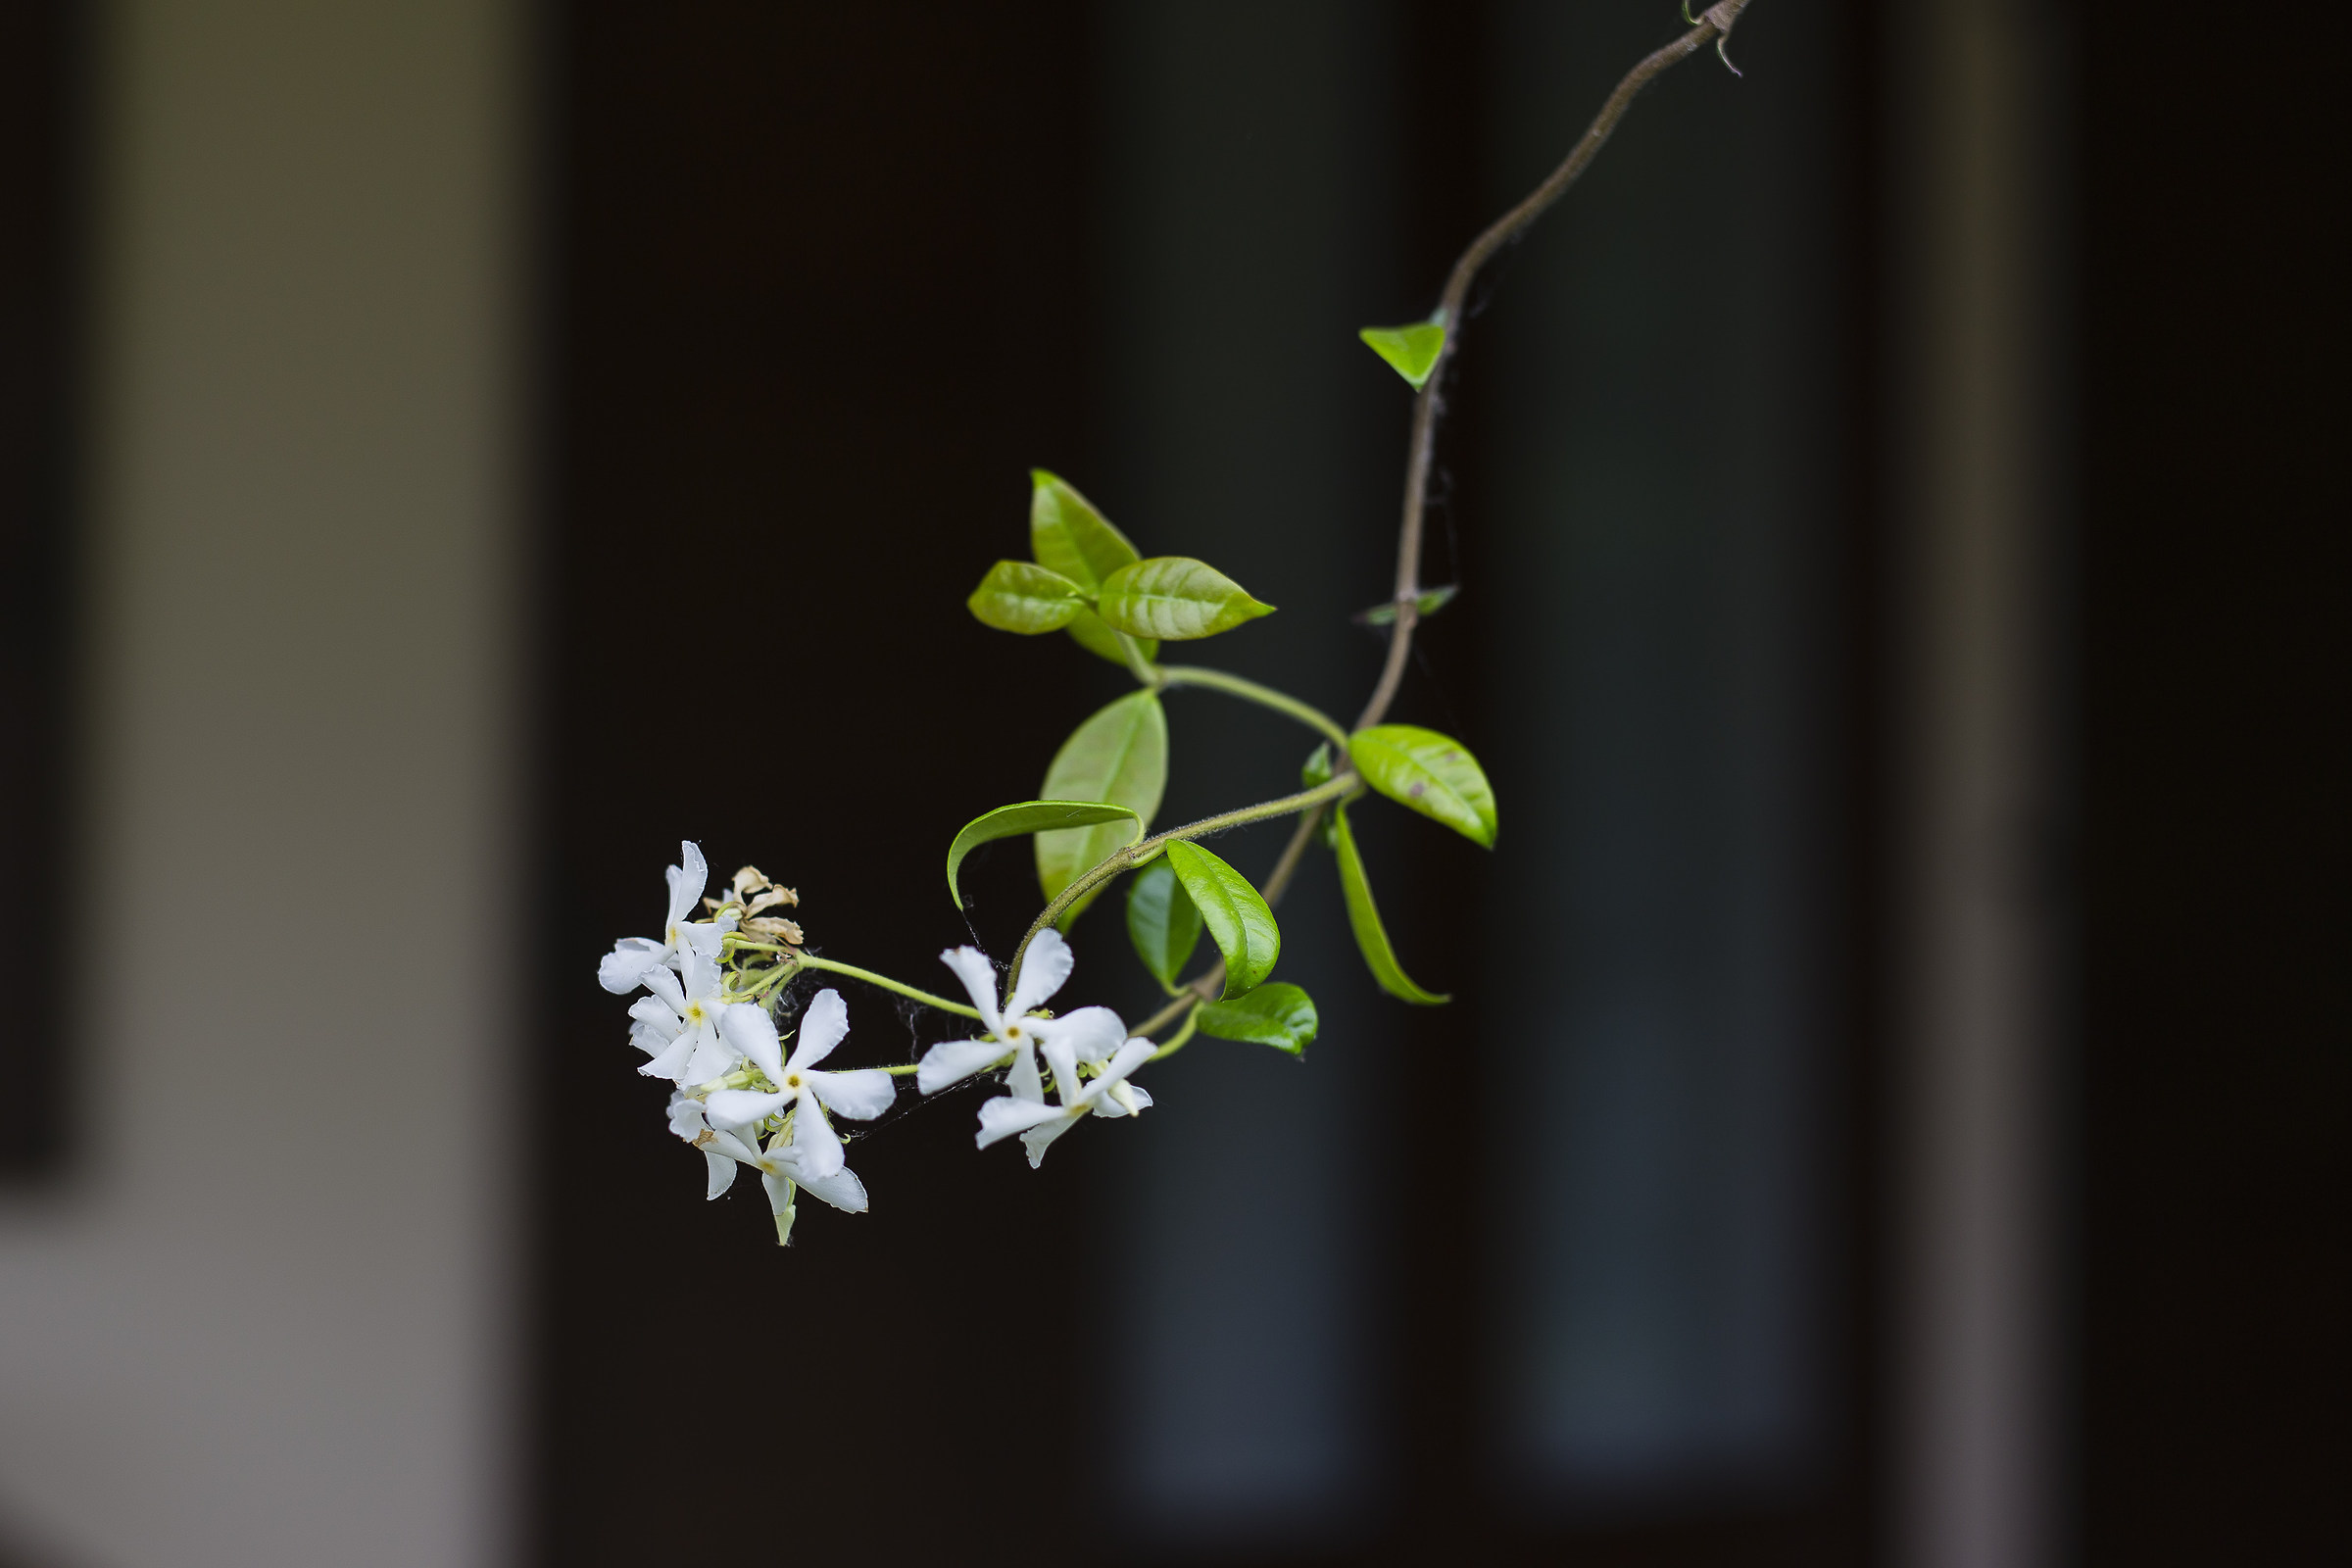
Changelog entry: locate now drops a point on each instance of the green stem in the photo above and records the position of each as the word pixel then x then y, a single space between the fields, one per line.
pixel 1137 664
pixel 1250 691
pixel 1192 1021
pixel 1144 850
pixel 809 960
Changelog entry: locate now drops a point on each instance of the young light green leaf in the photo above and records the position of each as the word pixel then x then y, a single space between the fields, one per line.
pixel 1119 754
pixel 1018 596
pixel 1425 605
pixel 1430 773
pixel 1087 630
pixel 1039 817
pixel 1162 921
pixel 1068 534
pixel 1237 918
pixel 1316 772
pixel 1364 917
pixel 1174 597
pixel 1412 351
pixel 1277 1015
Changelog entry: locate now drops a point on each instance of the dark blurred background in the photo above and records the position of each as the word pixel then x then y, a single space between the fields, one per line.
pixel 1890 1107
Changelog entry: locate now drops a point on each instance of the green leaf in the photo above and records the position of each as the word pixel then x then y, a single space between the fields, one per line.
pixel 1039 817
pixel 1119 754
pixel 1162 921
pixel 1412 351
pixel 1237 918
pixel 1068 535
pixel 1316 772
pixel 1277 1015
pixel 1424 606
pixel 1089 633
pixel 1364 917
pixel 1431 773
pixel 1018 596
pixel 1174 597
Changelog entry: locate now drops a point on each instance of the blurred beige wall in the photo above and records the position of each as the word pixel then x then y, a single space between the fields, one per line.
pixel 265 1320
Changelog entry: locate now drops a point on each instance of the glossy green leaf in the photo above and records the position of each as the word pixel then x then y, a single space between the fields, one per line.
pixel 1119 754
pixel 1087 630
pixel 1430 773
pixel 1364 917
pixel 1162 921
pixel 1412 351
pixel 1174 597
pixel 1425 605
pixel 1068 534
pixel 1316 772
pixel 1277 1015
pixel 1022 596
pixel 1039 817
pixel 1237 918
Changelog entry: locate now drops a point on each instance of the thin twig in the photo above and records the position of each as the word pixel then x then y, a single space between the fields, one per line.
pixel 1712 25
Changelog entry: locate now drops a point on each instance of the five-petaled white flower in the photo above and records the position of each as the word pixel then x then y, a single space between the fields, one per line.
pixel 1092 1033
pixel 728 1148
pixel 678 1025
pixel 1108 1095
pixel 861 1096
pixel 624 968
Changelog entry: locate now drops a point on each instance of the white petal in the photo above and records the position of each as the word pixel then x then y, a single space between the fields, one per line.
pixel 701 974
pixel 663 983
pixel 779 1196
pixel 1133 1055
pixel 979 977
pixel 1127 1098
pixel 722 1173
pixel 1094 1033
pixel 687 879
pixel 1023 1079
pixel 657 1015
pixel 1006 1114
pixel 623 970
pixel 727 1143
pixel 843 1190
pixel 1036 1138
pixel 672 1062
pixel 816 1146
pixel 686 1119
pixel 861 1096
pixel 823 1024
pixel 711 1059
pixel 741 1108
pixel 750 1032
pixel 1066 1085
pixel 952 1062
pixel 1137 1096
pixel 704 937
pixel 1042 971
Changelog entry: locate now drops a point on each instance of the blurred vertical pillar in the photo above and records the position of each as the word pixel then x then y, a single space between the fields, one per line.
pixel 263 1320
pixel 1248 175
pixel 1978 520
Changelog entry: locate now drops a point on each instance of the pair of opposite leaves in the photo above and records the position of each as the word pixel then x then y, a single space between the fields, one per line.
pixel 1088 580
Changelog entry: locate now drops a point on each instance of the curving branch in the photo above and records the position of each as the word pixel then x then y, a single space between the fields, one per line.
pixel 1712 26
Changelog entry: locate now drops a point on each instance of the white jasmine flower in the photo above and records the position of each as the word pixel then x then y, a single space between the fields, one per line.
pixel 861 1096
pixel 678 1025
pixel 624 968
pixel 1108 1095
pixel 1092 1033
pixel 726 1149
